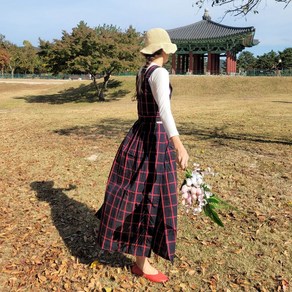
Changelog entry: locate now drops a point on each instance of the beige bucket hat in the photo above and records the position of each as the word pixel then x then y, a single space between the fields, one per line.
pixel 156 39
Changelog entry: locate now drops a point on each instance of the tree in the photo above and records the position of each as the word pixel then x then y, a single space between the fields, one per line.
pixel 268 61
pixel 4 59
pixel 96 51
pixel 15 56
pixel 239 7
pixel 285 58
pixel 13 51
pixel 43 53
pixel 28 57
pixel 120 51
pixel 246 61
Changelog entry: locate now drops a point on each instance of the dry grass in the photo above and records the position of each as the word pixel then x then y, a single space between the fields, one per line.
pixel 57 146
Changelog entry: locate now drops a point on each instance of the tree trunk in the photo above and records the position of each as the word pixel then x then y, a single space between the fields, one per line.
pixel 98 90
pixel 12 71
pixel 106 78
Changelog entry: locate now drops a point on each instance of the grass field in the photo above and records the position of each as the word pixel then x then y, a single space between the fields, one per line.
pixel 57 145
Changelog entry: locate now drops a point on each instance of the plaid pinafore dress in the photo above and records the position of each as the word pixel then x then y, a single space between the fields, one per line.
pixel 139 213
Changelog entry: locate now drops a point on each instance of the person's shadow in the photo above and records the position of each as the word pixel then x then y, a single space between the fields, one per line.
pixel 76 224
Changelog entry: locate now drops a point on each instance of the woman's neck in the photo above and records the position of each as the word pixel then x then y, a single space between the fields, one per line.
pixel 158 61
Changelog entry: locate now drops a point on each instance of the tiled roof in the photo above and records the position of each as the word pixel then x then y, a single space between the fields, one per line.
pixel 206 29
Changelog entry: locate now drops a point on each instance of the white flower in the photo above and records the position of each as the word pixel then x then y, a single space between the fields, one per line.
pixel 188 182
pixel 194 180
pixel 197 210
pixel 203 202
pixel 199 181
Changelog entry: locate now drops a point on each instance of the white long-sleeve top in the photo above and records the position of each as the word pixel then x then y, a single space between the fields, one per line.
pixel 159 83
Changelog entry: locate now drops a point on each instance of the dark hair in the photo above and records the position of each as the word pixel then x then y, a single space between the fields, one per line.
pixel 140 75
pixel 149 58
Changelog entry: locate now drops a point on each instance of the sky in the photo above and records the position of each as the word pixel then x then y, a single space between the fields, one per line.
pixel 46 19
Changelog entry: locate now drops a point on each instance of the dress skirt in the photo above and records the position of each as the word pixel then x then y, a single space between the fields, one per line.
pixel 139 213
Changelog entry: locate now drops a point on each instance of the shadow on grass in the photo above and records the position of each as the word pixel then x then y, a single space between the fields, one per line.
pixel 117 128
pixel 76 224
pixel 83 93
pixel 219 136
pixel 282 101
pixel 110 128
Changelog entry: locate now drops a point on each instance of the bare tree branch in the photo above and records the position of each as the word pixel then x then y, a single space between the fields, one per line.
pixel 240 7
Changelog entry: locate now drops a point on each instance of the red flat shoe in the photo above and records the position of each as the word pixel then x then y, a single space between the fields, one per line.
pixel 158 278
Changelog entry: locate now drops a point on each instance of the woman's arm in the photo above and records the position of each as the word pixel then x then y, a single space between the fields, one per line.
pixel 159 83
pixel 182 156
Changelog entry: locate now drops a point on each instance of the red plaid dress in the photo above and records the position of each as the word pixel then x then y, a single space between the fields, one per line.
pixel 139 213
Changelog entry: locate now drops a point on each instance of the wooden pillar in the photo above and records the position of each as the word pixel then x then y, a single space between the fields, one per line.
pixel 173 64
pixel 196 64
pixel 179 64
pixel 187 64
pixel 216 64
pixel 191 63
pixel 184 64
pixel 213 69
pixel 213 64
pixel 228 63
pixel 202 64
pixel 209 66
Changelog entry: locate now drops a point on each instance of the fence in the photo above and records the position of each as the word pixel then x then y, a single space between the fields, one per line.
pixel 257 72
pixel 46 76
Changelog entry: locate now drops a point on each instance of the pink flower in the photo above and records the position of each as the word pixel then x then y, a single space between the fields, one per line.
pixel 193 190
pixel 184 189
pixel 189 200
pixel 188 182
pixel 185 195
pixel 198 192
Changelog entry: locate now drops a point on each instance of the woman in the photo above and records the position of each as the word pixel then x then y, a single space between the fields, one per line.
pixel 139 213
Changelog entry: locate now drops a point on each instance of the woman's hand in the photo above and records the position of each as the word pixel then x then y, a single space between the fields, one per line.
pixel 182 156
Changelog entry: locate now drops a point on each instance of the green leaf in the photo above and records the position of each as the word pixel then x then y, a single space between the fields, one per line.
pixel 213 199
pixel 207 210
pixel 212 215
pixel 205 187
pixel 189 173
pixel 221 203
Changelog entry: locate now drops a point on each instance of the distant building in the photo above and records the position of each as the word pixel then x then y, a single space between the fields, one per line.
pixel 201 44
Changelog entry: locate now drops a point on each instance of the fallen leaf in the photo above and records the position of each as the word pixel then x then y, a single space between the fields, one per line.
pixel 94 264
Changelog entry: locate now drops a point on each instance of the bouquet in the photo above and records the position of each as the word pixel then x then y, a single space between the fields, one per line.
pixel 197 195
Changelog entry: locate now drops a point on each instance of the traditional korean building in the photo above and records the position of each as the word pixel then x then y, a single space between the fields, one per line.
pixel 202 44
